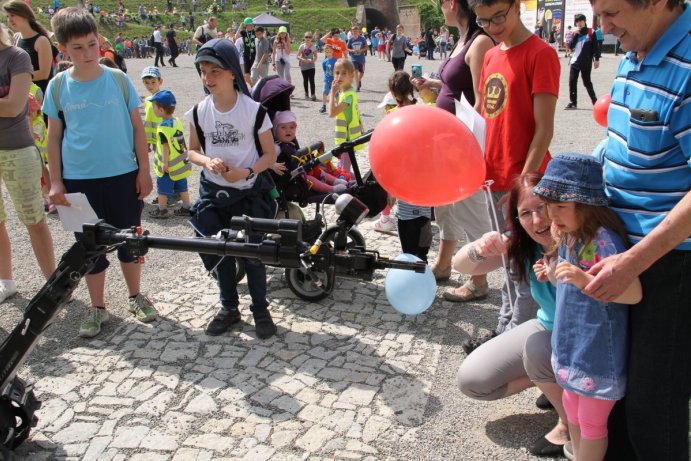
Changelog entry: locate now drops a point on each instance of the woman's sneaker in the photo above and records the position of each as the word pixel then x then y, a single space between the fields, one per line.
pixel 142 308
pixel 91 325
pixel 7 290
pixel 385 224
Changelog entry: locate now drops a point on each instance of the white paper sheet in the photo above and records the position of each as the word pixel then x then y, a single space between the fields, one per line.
pixel 472 119
pixel 73 217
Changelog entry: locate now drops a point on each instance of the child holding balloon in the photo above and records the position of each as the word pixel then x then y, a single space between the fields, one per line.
pixel 414 222
pixel 589 340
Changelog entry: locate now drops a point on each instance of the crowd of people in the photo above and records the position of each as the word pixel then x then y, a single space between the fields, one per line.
pixel 595 248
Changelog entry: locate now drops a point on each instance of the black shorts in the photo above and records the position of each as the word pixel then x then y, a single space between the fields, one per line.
pixel 115 201
pixel 359 66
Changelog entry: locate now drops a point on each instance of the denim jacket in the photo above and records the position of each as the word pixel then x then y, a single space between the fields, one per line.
pixel 589 340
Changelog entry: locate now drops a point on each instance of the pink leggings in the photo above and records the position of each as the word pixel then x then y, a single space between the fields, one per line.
pixel 588 413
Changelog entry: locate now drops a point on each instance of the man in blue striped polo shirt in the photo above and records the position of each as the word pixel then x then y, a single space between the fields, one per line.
pixel 648 176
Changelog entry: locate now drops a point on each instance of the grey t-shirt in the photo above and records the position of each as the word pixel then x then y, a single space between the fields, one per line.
pixel 14 131
pixel 398 44
pixel 262 48
pixel 307 53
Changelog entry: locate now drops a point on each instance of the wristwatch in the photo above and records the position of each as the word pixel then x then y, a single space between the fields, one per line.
pixel 250 175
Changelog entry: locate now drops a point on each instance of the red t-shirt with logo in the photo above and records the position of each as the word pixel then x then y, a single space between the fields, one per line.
pixel 338 46
pixel 509 80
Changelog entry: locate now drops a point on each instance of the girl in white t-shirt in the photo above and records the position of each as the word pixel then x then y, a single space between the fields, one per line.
pixel 281 53
pixel 224 141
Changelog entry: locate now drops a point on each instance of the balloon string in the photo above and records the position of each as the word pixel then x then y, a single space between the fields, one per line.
pixel 487 187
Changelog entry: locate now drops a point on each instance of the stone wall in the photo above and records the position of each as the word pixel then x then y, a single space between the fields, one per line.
pixel 410 20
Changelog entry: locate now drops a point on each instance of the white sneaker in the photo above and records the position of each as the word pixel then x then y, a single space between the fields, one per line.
pixel 385 224
pixel 7 289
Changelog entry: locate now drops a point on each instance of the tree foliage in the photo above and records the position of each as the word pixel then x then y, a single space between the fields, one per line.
pixel 430 14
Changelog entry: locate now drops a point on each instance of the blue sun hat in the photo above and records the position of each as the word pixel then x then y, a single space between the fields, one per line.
pixel 223 53
pixel 573 177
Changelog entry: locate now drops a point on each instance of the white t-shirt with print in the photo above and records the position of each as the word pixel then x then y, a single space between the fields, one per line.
pixel 229 136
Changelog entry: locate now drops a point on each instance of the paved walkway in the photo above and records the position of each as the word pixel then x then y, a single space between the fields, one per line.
pixel 346 378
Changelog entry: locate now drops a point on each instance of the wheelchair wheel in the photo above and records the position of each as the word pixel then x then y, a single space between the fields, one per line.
pixel 306 289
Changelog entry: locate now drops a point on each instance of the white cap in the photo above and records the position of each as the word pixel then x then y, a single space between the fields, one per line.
pixel 388 100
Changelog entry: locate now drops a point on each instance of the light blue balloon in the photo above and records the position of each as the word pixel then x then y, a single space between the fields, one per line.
pixel 409 292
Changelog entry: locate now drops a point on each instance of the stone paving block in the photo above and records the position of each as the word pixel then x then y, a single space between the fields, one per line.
pixel 76 432
pixel 129 436
pixel 315 438
pixel 210 441
pixel 201 404
pixel 358 394
pixel 97 447
pixel 155 440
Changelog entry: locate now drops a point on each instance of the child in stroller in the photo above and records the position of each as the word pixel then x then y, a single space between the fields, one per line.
pixel 274 94
pixel 317 180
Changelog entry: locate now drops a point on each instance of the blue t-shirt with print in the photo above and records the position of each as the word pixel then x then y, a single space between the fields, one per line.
pixel 328 66
pixel 98 140
pixel 359 43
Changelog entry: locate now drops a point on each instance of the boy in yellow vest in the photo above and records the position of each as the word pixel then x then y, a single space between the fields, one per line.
pixel 151 78
pixel 343 105
pixel 171 165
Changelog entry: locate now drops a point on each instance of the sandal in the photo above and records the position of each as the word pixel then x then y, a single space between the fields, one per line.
pixel 441 274
pixel 473 293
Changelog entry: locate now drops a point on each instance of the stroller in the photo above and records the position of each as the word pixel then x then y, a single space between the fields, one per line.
pixel 274 94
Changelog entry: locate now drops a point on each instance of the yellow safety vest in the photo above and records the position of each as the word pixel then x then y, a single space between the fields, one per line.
pixel 151 123
pixel 37 93
pixel 348 131
pixel 41 145
pixel 179 166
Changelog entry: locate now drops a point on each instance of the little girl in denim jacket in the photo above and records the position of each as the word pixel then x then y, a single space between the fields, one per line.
pixel 589 340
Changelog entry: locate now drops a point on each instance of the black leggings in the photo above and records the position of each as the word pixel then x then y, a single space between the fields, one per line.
pixel 398 63
pixel 308 78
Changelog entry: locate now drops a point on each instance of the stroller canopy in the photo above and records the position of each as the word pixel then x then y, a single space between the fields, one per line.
pixel 273 93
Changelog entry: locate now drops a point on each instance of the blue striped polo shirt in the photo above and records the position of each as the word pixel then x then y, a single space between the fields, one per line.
pixel 647 164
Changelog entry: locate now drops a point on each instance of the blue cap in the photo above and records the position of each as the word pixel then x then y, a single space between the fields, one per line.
pixel 573 177
pixel 164 98
pixel 151 71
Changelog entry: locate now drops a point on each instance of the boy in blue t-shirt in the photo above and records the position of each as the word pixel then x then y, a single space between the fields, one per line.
pixel 357 50
pixel 104 157
pixel 328 66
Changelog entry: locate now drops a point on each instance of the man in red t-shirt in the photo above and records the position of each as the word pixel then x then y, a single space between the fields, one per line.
pixel 519 84
pixel 340 50
pixel 519 77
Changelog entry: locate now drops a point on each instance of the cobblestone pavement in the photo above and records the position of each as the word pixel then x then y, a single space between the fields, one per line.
pixel 345 378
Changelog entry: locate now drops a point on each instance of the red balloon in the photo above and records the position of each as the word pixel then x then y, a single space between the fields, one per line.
pixel 426 156
pixel 600 109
